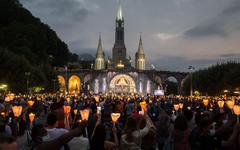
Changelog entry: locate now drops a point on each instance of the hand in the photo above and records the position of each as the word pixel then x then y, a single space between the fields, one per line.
pixel 82 124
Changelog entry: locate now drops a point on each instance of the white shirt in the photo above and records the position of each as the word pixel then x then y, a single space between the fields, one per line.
pixel 55 133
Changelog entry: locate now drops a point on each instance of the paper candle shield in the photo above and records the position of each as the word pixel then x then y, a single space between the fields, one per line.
pixel 66 109
pixel 31 117
pixel 236 110
pixel 143 106
pixel 30 103
pixel 205 102
pixel 220 104
pixel 181 105
pixel 115 116
pixel 85 114
pixel 17 110
pixel 230 104
pixel 176 107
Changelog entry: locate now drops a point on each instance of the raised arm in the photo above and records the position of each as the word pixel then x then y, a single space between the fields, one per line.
pixel 57 143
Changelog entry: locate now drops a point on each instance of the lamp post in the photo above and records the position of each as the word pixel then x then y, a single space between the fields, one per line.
pixel 191 68
pixel 27 74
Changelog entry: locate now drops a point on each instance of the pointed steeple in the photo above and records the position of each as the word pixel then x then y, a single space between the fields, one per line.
pixel 100 57
pixel 119 12
pixel 140 46
pixel 140 56
pixel 99 48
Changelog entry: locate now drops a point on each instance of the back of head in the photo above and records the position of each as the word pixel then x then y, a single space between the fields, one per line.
pixel 38 131
pixel 99 138
pixel 181 123
pixel 51 119
pixel 130 126
pixel 188 114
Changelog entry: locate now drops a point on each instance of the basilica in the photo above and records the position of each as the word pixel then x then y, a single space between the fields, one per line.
pixel 116 74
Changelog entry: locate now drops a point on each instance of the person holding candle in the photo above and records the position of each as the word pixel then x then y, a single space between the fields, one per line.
pixel 98 138
pixel 132 137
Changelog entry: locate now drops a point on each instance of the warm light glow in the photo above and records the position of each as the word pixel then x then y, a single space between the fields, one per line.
pixel 115 116
pixel 75 111
pixel 205 102
pixel 143 106
pixel 120 65
pixel 220 104
pixel 230 104
pixel 74 85
pixel 181 105
pixel 97 99
pixel 99 109
pixel 3 113
pixel 85 114
pixel 31 117
pixel 17 110
pixel 30 103
pixel 68 99
pixel 66 109
pixel 9 97
pixel 176 107
pixel 236 110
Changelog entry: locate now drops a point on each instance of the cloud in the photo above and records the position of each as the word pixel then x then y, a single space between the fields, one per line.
pixel 227 21
pixel 61 13
pixel 166 36
pixel 177 63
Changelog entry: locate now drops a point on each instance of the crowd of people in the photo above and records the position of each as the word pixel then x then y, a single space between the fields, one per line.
pixel 145 123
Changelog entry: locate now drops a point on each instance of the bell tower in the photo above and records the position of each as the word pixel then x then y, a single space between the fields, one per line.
pixel 119 49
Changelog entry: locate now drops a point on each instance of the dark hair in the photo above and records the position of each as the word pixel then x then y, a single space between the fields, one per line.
pixel 130 126
pixel 98 138
pixel 204 123
pixel 38 131
pixel 188 114
pixel 181 123
pixel 6 139
pixel 51 119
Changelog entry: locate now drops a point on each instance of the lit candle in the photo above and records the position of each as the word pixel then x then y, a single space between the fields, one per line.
pixel 220 104
pixel 236 110
pixel 143 106
pixel 30 103
pixel 176 107
pixel 115 116
pixel 31 117
pixel 85 114
pixel 68 99
pixel 205 102
pixel 75 111
pixel 66 109
pixel 181 105
pixel 230 104
pixel 17 110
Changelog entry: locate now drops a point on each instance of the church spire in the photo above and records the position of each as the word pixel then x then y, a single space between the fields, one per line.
pixel 99 48
pixel 119 12
pixel 100 57
pixel 140 56
pixel 140 46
